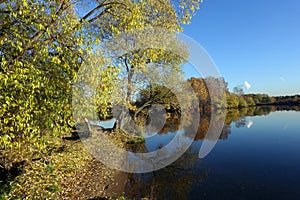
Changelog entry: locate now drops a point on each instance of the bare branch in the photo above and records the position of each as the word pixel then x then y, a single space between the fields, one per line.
pixel 102 5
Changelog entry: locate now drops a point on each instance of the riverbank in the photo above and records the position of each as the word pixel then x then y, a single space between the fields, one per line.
pixel 68 172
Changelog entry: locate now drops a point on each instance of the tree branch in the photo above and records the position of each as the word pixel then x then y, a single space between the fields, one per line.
pixel 102 5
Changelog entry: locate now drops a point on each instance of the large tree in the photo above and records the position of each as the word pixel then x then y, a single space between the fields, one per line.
pixel 139 34
pixel 43 44
pixel 40 46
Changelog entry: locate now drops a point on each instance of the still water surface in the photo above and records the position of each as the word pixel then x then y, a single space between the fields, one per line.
pixel 256 157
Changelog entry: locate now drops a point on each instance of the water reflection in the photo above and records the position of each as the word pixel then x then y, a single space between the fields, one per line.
pixel 183 178
pixel 172 182
pixel 236 116
pixel 249 123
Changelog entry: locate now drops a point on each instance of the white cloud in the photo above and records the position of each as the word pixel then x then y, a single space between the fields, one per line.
pixel 247 85
pixel 282 79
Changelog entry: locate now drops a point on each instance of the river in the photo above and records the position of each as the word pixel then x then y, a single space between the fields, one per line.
pixel 256 157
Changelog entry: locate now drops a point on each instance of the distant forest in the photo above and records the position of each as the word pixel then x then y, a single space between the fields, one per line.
pixel 156 94
pixel 237 98
pixel 212 93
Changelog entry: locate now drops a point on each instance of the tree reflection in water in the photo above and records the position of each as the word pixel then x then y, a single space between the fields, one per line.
pixel 171 182
pixel 176 180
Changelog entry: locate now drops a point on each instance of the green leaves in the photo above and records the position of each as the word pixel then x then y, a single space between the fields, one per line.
pixel 41 43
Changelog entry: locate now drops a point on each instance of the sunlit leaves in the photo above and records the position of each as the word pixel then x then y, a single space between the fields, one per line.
pixel 41 46
pixel 187 9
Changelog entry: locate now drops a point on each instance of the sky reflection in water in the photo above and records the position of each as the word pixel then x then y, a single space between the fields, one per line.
pixel 256 157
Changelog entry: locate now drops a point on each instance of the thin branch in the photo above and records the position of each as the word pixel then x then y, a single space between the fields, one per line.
pixel 98 16
pixel 98 8
pixel 126 64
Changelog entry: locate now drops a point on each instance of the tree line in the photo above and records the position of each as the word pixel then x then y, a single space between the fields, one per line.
pixel 235 99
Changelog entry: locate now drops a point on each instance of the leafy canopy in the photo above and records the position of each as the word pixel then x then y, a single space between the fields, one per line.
pixel 43 44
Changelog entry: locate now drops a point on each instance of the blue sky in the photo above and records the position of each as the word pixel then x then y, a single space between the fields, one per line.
pixel 256 41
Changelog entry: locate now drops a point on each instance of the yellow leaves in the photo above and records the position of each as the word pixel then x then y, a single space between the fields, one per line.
pixel 2 41
pixel 56 60
pixel 81 51
pixel 58 49
pixel 14 14
pixel 188 9
pixel 115 30
pixel 3 62
pixel 19 46
pixel 5 142
pixel 97 41
pixel 24 2
pixel 18 63
pixel 192 8
pixel 40 26
pixel 132 107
